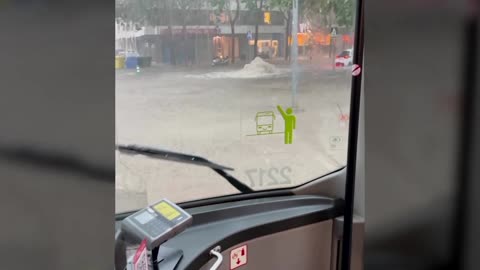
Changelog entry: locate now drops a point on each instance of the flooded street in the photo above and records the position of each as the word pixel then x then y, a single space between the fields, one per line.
pixel 213 113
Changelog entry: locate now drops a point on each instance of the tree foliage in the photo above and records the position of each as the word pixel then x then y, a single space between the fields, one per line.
pixel 232 10
pixel 319 12
pixel 153 12
pixel 227 7
pixel 186 5
pixel 252 5
pixel 330 12
pixel 257 6
pixel 139 11
pixel 283 5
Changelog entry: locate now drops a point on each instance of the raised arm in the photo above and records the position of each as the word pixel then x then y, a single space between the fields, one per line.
pixel 281 111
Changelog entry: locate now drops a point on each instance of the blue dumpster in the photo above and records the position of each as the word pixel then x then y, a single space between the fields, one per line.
pixel 131 62
pixel 144 62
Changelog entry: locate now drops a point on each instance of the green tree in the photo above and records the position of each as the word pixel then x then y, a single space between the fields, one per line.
pixel 140 12
pixel 257 6
pixel 285 6
pixel 158 12
pixel 329 13
pixel 232 11
pixel 325 13
pixel 148 12
pixel 345 13
pixel 186 9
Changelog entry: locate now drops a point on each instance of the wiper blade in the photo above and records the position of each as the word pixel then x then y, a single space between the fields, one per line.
pixel 185 158
pixel 168 155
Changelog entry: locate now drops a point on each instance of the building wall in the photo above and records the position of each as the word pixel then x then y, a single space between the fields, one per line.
pixel 204 50
pixel 225 43
pixel 208 17
pixel 199 48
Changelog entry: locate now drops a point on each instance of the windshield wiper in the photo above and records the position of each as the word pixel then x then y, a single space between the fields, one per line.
pixel 184 158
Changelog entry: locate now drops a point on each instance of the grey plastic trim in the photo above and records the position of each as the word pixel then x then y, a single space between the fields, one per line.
pixel 231 223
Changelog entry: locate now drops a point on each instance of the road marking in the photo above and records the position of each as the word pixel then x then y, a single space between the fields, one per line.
pixel 265 134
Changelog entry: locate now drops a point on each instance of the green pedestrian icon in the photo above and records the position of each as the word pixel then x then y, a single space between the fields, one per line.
pixel 290 123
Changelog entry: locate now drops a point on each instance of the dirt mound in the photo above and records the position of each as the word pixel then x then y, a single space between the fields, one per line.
pixel 258 68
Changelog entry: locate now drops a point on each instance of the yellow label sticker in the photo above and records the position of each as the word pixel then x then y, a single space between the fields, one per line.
pixel 166 210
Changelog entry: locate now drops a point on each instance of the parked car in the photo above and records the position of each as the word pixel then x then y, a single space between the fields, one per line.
pixel 344 59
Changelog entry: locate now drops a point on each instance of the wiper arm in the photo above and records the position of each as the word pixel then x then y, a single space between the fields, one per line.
pixel 184 158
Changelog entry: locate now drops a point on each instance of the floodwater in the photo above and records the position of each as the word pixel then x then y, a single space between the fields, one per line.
pixel 189 111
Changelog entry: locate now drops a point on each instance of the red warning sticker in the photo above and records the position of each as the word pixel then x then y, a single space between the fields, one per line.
pixel 140 260
pixel 238 257
pixel 356 69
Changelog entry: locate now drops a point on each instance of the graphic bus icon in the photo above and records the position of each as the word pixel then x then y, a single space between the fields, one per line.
pixel 265 122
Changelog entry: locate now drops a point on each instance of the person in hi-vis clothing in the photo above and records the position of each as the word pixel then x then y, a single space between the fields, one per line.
pixel 290 123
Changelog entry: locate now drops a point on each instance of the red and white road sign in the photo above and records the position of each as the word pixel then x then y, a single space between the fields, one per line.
pixel 344 117
pixel 356 70
pixel 140 260
pixel 238 257
pixel 344 120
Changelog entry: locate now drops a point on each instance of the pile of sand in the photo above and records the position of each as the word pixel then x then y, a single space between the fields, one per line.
pixel 258 68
